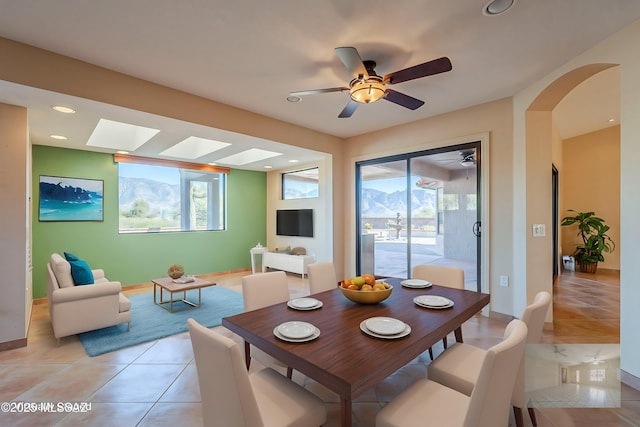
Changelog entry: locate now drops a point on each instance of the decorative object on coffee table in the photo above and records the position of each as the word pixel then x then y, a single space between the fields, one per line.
pixel 175 271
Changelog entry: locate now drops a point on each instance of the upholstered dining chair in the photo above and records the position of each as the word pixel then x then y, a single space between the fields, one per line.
pixel 261 290
pixel 231 397
pixel 429 402
pixel 322 277
pixel 441 275
pixel 459 366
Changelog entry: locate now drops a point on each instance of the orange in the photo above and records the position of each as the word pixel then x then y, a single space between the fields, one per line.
pixel 369 279
pixel 353 287
pixel 346 283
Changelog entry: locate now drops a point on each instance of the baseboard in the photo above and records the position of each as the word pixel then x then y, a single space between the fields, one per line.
pixel 506 318
pixel 630 379
pixel 10 345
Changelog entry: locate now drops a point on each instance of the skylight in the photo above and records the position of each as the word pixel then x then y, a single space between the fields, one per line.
pixel 120 136
pixel 249 156
pixel 194 147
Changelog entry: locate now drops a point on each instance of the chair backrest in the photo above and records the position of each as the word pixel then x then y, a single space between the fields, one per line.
pixel 442 275
pixel 264 289
pixel 533 316
pixel 491 396
pixel 322 277
pixel 227 395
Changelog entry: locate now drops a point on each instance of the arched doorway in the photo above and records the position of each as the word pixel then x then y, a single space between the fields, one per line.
pixel 542 146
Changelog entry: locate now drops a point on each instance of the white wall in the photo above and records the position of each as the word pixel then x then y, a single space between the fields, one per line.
pixel 621 48
pixel 321 245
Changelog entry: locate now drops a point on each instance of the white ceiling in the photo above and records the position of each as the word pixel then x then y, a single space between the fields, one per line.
pixel 573 354
pixel 251 54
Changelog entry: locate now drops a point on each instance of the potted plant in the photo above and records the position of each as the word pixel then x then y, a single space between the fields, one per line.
pixel 593 232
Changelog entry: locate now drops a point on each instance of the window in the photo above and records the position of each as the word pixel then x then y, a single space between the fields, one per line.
pixel 597 375
pixel 302 184
pixel 162 198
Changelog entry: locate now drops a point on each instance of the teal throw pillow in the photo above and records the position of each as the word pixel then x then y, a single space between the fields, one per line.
pixel 80 270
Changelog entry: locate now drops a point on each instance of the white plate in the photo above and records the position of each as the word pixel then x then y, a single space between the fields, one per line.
pixel 385 325
pixel 304 303
pixel 433 301
pixel 404 333
pixel 415 283
pixel 316 334
pixel 296 330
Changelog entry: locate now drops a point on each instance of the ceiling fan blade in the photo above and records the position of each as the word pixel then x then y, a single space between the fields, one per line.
pixel 440 65
pixel 352 61
pixel 348 110
pixel 316 91
pixel 403 100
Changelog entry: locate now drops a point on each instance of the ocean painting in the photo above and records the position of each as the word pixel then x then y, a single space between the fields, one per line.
pixel 71 199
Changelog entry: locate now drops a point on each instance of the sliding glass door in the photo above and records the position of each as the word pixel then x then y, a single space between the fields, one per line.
pixel 420 208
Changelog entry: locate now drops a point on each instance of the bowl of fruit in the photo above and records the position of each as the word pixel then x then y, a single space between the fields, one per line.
pixel 365 289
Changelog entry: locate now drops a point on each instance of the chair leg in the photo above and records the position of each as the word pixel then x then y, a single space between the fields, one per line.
pixel 517 412
pixel 289 372
pixel 128 326
pixel 445 342
pixel 431 353
pixel 247 354
pixel 532 415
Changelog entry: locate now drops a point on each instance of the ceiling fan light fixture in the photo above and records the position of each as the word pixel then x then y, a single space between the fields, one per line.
pixel 367 91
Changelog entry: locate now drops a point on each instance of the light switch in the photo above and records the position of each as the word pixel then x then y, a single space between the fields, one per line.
pixel 539 230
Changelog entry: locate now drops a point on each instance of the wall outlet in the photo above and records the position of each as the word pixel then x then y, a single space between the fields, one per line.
pixel 504 281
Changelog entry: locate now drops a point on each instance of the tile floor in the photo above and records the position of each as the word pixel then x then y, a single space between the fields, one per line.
pixel 155 384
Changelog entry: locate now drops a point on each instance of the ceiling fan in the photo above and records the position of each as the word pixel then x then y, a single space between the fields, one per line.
pixel 366 86
pixel 466 158
pixel 559 351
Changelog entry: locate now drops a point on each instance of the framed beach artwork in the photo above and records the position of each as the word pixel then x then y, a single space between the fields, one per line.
pixel 70 199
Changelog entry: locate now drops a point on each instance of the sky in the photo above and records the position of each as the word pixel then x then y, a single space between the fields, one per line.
pixel 156 173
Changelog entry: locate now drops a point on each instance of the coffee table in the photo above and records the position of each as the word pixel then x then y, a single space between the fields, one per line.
pixel 167 284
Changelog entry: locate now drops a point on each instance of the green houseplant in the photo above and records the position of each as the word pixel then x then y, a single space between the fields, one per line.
pixel 593 232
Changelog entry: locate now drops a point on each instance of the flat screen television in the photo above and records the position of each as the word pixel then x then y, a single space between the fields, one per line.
pixel 294 222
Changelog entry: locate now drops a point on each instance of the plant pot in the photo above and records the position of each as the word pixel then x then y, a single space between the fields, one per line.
pixel 587 267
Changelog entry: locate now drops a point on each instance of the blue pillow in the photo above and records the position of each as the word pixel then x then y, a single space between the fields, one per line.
pixel 80 270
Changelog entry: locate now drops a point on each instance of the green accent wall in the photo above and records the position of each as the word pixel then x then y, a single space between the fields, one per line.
pixel 138 258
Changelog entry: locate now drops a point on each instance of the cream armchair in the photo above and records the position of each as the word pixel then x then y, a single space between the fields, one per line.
pixel 76 309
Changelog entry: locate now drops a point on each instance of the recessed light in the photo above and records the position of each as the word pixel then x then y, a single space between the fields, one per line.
pixel 61 137
pixel 268 167
pixel 122 152
pixel 293 98
pixel 212 164
pixel 612 120
pixel 63 109
pixel 497 7
pixel 293 161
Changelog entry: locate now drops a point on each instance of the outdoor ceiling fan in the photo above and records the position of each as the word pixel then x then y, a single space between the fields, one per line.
pixel 466 158
pixel 366 86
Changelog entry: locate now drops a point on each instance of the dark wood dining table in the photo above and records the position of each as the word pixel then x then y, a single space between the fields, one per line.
pixel 343 358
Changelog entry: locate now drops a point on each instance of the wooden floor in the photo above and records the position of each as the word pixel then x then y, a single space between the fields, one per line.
pixel 586 308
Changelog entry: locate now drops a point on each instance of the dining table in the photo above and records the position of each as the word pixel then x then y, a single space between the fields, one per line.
pixel 342 357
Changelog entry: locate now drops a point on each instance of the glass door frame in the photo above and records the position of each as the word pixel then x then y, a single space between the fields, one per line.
pixel 481 143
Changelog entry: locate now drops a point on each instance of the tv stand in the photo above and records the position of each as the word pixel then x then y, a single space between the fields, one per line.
pixel 286 262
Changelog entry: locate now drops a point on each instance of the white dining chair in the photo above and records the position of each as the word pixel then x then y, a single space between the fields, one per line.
pixel 261 290
pixel 441 275
pixel 231 397
pixel 459 366
pixel 322 277
pixel 428 402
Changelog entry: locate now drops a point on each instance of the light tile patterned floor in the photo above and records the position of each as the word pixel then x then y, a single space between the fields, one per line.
pixel 155 384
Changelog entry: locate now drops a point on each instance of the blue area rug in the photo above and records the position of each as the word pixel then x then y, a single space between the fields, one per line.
pixel 150 321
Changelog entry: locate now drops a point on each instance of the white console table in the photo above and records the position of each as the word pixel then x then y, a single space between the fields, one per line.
pixel 292 263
